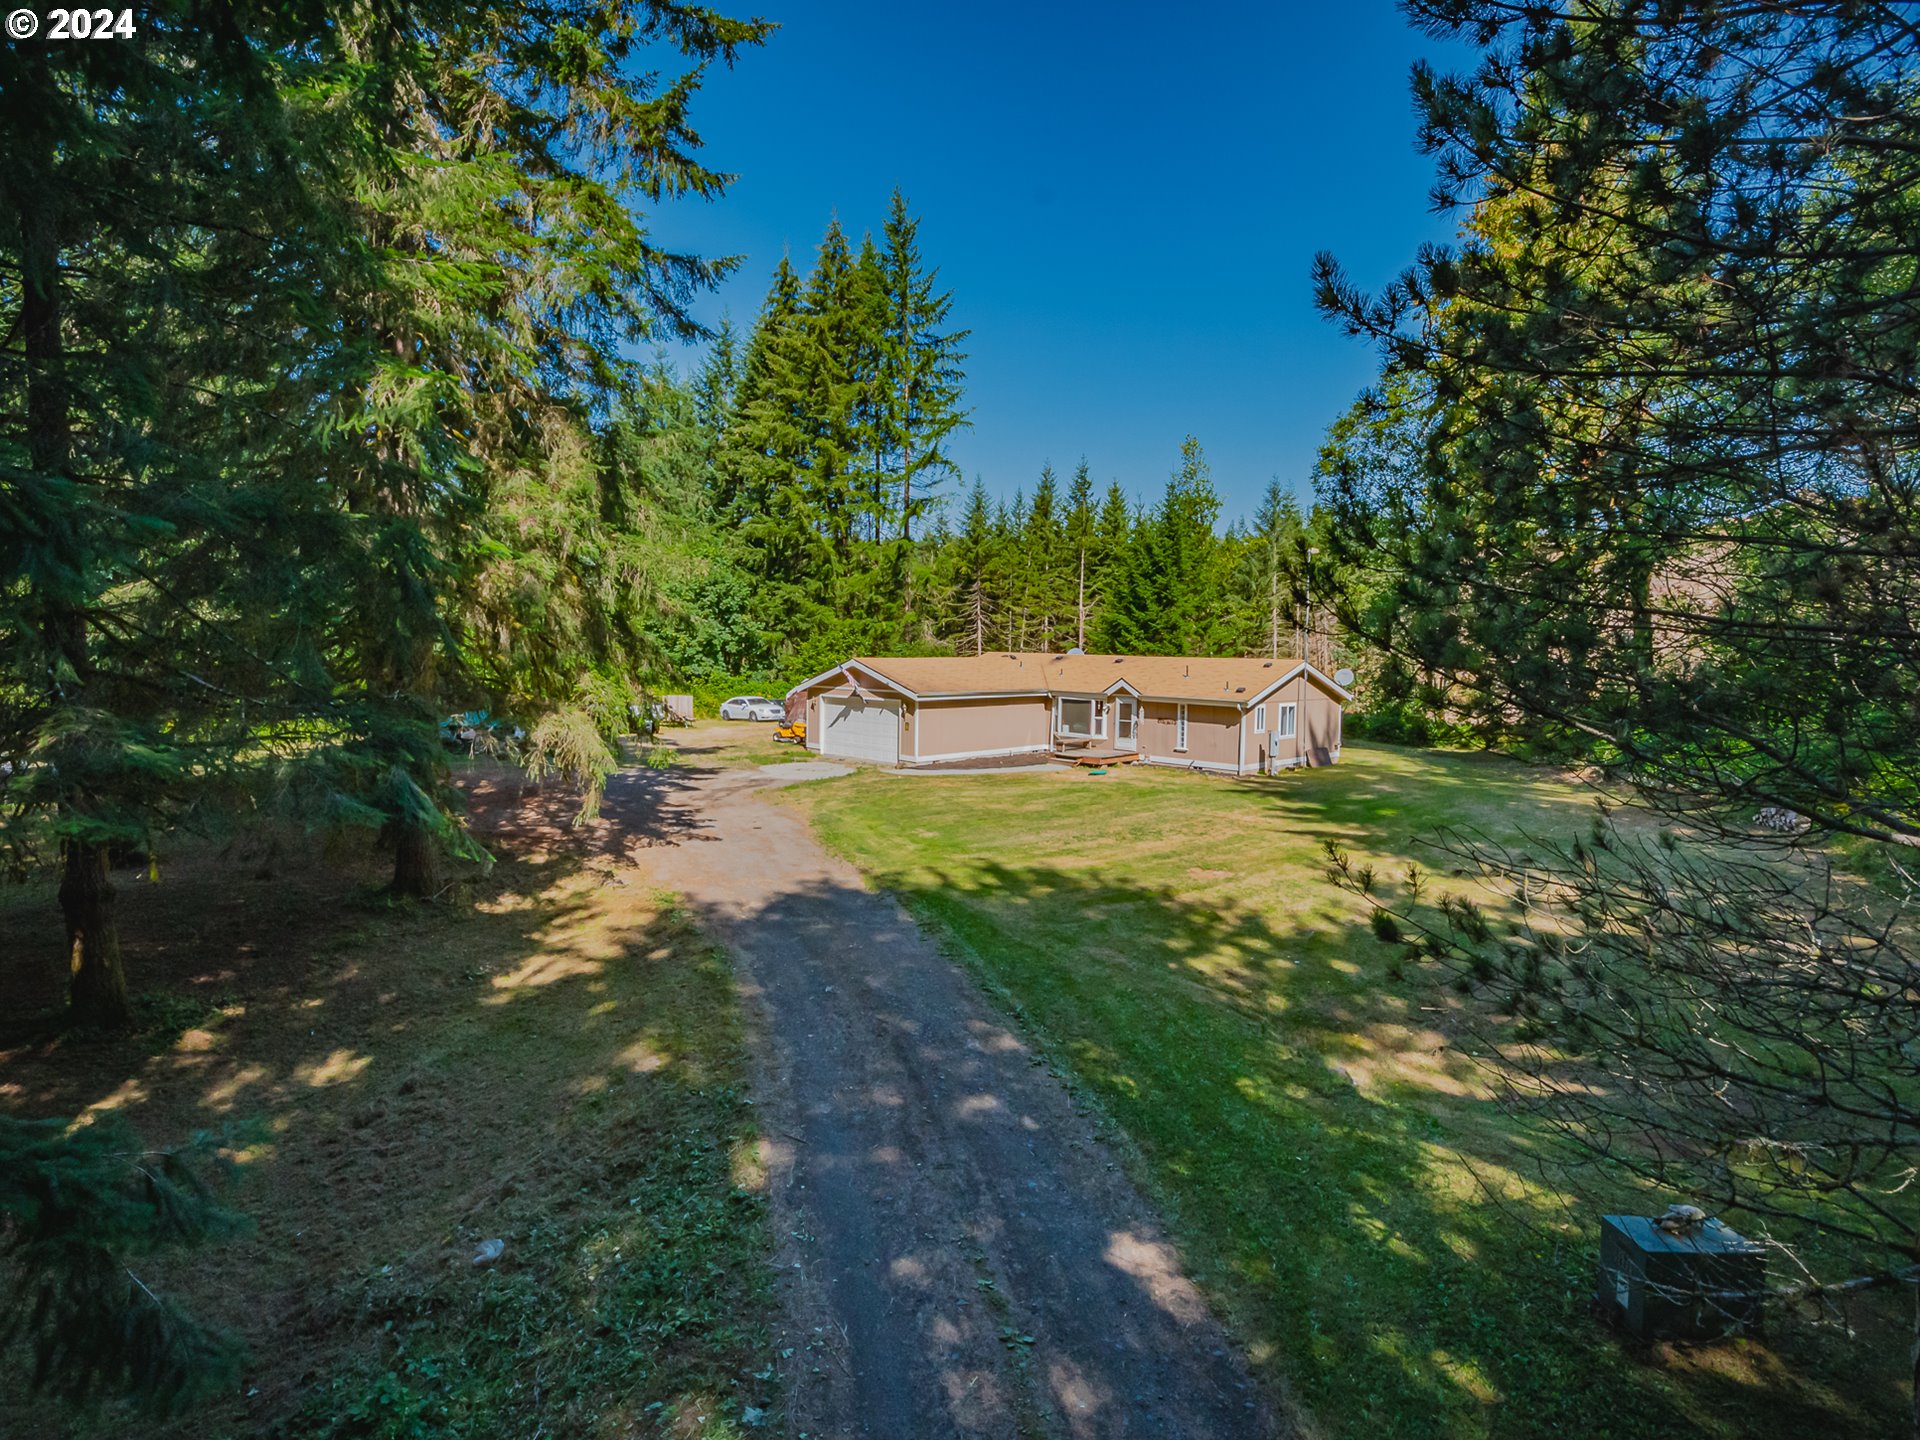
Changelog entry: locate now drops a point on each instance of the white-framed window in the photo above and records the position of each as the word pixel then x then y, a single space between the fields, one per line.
pixel 1284 722
pixel 1180 728
pixel 1085 719
pixel 1259 719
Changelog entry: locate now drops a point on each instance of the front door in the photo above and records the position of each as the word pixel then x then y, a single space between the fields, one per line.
pixel 1126 724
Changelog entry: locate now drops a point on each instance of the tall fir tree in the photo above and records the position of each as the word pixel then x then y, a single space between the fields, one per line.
pixel 1078 537
pixel 972 575
pixel 922 375
pixel 156 223
pixel 1045 584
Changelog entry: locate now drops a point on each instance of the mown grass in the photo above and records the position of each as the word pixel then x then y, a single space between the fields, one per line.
pixel 731 744
pixel 554 1062
pixel 1374 1226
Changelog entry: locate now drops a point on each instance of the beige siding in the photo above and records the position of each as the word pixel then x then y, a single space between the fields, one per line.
pixel 1316 738
pixel 1220 737
pixel 971 727
pixel 1213 734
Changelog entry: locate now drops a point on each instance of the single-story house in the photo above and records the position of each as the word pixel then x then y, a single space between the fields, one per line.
pixel 1241 717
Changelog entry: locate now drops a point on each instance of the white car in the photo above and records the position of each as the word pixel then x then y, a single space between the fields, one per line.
pixel 752 707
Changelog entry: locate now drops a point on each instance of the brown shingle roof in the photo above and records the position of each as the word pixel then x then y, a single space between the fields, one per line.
pixel 1197 679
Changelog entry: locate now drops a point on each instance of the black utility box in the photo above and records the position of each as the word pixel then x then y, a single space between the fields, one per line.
pixel 1696 1282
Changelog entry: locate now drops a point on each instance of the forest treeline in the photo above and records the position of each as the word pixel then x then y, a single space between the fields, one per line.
pixel 824 516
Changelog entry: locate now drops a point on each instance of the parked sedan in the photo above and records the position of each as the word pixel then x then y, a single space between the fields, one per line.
pixel 752 707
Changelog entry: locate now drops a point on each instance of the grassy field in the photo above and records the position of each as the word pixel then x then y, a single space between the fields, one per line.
pixel 1369 1221
pixel 732 744
pixel 550 1058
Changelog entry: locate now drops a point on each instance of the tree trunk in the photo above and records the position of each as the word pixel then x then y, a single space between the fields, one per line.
pixel 97 983
pixel 414 870
pixel 97 989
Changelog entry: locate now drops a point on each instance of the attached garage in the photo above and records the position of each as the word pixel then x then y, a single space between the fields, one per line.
pixel 860 727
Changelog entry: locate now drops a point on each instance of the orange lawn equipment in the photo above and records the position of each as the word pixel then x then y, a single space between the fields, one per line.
pixel 793 733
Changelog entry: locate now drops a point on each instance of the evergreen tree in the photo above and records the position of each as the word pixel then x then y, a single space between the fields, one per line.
pixel 498 273
pixel 1010 578
pixel 757 457
pixel 1112 538
pixel 1044 592
pixel 1169 593
pixel 1270 575
pixel 1079 538
pixel 79 1205
pixel 143 193
pixel 821 372
pixel 921 376
pixel 973 574
pixel 1662 516
pixel 719 379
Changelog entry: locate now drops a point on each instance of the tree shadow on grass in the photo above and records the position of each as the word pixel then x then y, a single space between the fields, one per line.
pixel 553 1061
pixel 1370 1222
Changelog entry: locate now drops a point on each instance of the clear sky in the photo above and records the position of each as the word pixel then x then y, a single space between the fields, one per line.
pixel 1124 199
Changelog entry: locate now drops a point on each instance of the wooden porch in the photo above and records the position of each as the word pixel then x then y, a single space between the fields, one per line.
pixel 1090 752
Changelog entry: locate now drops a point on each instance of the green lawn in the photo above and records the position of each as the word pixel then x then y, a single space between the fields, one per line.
pixel 1367 1219
pixel 731 744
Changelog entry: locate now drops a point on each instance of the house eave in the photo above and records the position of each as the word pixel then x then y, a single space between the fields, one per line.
pixel 1325 681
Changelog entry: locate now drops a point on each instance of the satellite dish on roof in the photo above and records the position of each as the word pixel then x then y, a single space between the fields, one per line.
pixel 1076 650
pixel 1343 677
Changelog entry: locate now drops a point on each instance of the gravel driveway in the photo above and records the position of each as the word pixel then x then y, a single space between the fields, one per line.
pixel 961 1254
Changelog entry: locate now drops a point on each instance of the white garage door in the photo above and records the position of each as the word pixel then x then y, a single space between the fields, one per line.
pixel 863 729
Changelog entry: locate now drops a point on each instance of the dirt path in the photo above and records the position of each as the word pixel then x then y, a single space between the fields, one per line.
pixel 964 1257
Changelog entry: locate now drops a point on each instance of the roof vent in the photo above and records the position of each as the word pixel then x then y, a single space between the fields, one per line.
pixel 1267 666
pixel 1239 689
pixel 1119 659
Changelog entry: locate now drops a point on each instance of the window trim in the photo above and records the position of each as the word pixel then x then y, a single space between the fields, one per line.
pixel 1096 717
pixel 1287 722
pixel 1180 730
pixel 1260 719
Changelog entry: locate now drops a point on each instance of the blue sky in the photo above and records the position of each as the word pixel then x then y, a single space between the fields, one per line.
pixel 1125 201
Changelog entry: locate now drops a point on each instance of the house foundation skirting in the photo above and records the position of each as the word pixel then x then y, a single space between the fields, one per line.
pixel 1215 767
pixel 945 756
